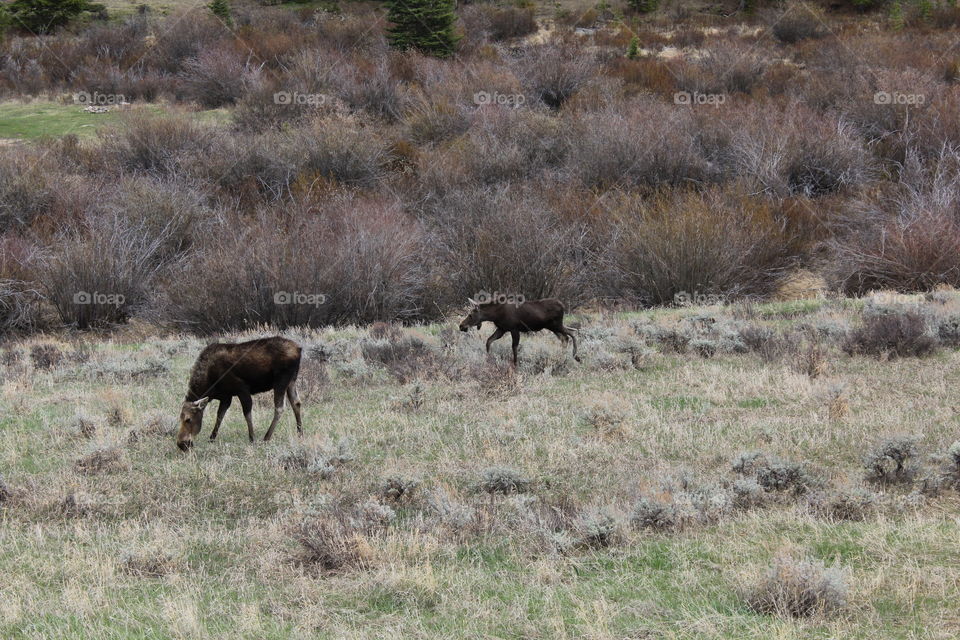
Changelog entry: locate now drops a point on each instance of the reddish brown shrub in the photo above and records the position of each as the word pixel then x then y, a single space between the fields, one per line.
pixel 721 242
pixel 270 271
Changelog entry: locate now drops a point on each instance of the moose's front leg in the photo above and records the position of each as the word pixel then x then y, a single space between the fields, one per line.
pixel 516 343
pixel 496 335
pixel 221 411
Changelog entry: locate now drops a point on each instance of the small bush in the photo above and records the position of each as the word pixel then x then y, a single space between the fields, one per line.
pixel 798 588
pixel 764 341
pixel 5 492
pixel 215 78
pixel 512 22
pixel 597 529
pixel 852 504
pixel 398 488
pixel 662 515
pixel 148 564
pixel 45 356
pixel 892 461
pixel 554 74
pixel 774 474
pixel 892 335
pixel 86 425
pixel 503 480
pixel 796 24
pixel 607 415
pixel 331 545
pixel 405 357
pixel 109 459
pixel 951 466
pixel 746 493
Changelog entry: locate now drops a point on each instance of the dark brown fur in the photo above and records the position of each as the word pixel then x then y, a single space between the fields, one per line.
pixel 225 370
pixel 532 315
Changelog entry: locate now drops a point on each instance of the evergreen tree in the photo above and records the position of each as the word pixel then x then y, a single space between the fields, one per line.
pixel 221 9
pixel 425 25
pixel 634 51
pixel 45 16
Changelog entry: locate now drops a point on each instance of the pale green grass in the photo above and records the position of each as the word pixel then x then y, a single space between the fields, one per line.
pixel 37 119
pixel 222 516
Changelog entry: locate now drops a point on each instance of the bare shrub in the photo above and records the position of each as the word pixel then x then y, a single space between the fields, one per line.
pixel 470 237
pixel 747 493
pixel 104 274
pixel 796 152
pixel 215 78
pixel 351 156
pixel 764 341
pixel 27 189
pixel 892 335
pixel 726 69
pixel 909 241
pixel 650 144
pixel 20 296
pixel 370 270
pixel 182 37
pixel 798 588
pixel 158 145
pixel 370 86
pixel 553 74
pixel 892 461
pixel 795 24
pixel 511 22
pixel 717 242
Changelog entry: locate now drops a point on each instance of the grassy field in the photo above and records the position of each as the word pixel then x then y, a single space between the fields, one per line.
pixel 386 520
pixel 39 118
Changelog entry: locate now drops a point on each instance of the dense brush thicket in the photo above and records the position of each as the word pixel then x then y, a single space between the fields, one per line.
pixel 359 183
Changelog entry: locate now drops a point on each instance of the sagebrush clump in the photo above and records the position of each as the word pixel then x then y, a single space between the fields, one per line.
pixel 503 480
pixel 798 589
pixel 892 460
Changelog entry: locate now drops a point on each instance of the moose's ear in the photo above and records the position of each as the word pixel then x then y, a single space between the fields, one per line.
pixel 473 302
pixel 202 402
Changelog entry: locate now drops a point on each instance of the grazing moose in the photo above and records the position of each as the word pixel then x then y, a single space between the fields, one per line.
pixel 532 315
pixel 223 371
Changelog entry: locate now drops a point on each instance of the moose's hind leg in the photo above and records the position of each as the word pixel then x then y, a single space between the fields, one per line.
pixel 295 404
pixel 277 409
